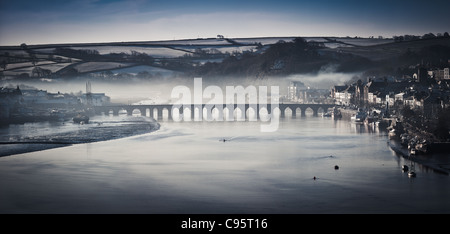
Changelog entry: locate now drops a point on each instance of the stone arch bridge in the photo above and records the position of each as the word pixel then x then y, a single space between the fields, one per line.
pixel 156 111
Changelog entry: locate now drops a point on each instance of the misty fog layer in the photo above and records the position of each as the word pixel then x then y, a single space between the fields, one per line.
pixel 159 91
pixel 325 78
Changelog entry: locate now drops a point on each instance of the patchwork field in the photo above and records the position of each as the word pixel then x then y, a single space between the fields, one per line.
pixel 154 57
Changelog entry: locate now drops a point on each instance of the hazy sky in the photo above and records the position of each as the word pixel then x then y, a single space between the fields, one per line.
pixel 55 21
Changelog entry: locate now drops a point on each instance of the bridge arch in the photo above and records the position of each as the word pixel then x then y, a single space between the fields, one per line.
pixel 321 110
pixel 196 113
pixel 217 113
pixel 309 111
pixel 263 114
pixel 136 112
pixel 177 114
pixel 251 114
pixel 122 111
pixel 155 113
pixel 166 114
pixel 187 114
pixel 239 114
pixel 276 112
pixel 205 114
pixel 288 112
pixel 297 112
pixel 228 115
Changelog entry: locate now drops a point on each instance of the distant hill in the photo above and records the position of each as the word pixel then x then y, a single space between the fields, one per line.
pixel 391 50
pixel 400 58
pixel 248 57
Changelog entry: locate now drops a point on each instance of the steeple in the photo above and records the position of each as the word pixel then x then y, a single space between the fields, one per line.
pixel 88 87
pixel 88 94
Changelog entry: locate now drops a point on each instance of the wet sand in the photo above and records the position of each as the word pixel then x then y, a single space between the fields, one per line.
pixel 66 134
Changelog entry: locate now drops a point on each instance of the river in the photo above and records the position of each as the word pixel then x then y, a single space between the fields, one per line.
pixel 185 167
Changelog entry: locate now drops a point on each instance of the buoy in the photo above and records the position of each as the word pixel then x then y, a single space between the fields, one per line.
pixel 405 168
pixel 314 178
pixel 336 167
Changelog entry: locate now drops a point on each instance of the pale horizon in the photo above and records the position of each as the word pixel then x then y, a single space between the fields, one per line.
pixel 49 22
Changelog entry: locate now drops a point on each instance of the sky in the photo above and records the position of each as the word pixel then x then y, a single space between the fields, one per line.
pixel 83 21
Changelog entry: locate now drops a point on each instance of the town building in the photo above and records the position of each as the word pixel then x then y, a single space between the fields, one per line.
pixel 295 91
pixel 378 92
pixel 342 94
pixel 41 98
pixel 94 99
pixel 441 74
pixel 10 100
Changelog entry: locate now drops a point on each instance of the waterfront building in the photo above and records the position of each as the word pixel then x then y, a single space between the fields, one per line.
pixel 342 94
pixel 359 93
pixel 10 100
pixel 41 98
pixel 441 74
pixel 94 99
pixel 296 91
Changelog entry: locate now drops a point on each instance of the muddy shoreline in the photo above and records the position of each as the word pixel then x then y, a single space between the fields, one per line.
pixel 96 131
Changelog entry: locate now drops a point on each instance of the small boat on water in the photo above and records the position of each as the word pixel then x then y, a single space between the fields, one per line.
pixel 327 114
pixel 370 120
pixel 412 170
pixel 336 114
pixel 392 132
pixel 57 114
pixel 405 168
pixel 359 117
pixel 81 119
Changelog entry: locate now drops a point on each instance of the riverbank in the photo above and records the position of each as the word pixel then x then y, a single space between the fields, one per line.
pixel 31 137
pixel 425 160
pixel 347 113
pixel 184 168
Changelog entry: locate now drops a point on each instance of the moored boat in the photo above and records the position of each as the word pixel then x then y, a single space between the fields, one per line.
pixel 405 168
pixel 81 119
pixel 359 117
pixel 327 114
pixel 336 114
pixel 412 170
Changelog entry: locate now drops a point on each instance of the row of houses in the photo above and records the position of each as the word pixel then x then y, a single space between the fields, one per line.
pixel 300 93
pixel 16 102
pixel 44 98
pixel 10 99
pixel 440 74
pixel 422 92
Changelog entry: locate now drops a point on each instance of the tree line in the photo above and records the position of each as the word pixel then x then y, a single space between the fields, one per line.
pixel 423 37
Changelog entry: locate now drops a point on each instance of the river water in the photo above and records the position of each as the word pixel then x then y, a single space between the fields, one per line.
pixel 184 167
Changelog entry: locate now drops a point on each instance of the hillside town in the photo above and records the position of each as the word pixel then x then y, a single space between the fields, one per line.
pixel 414 107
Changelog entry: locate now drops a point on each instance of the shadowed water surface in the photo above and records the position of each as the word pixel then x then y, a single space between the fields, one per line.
pixel 186 168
